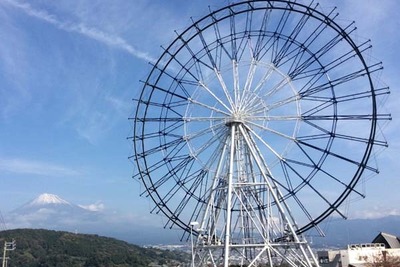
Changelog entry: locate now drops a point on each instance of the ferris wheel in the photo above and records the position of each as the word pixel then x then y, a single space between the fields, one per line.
pixel 254 125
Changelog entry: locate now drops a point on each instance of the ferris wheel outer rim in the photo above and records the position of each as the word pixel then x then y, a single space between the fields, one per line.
pixel 169 213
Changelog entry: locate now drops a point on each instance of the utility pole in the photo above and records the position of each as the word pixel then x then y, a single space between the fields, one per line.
pixel 7 246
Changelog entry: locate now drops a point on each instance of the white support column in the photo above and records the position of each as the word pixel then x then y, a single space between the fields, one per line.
pixel 229 197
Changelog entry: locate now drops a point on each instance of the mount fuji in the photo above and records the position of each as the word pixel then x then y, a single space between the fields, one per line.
pixel 48 211
pixel 45 199
pixel 51 211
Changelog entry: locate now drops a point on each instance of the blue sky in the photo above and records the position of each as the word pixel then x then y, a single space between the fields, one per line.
pixel 68 72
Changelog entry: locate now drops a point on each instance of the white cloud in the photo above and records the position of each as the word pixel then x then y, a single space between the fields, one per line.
pixel 122 107
pixel 98 206
pixel 375 212
pixel 92 33
pixel 24 166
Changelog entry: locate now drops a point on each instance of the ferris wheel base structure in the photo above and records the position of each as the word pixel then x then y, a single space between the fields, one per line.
pixel 265 255
pixel 252 234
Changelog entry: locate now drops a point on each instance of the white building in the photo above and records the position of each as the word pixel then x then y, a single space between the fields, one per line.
pixel 384 246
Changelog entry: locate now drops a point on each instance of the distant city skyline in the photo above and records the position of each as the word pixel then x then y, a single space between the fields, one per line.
pixel 69 72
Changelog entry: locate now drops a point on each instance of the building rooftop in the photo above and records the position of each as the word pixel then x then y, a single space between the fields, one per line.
pixel 390 241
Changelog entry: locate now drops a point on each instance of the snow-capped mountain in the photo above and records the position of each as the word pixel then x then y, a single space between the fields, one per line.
pixel 51 212
pixel 48 203
pixel 46 198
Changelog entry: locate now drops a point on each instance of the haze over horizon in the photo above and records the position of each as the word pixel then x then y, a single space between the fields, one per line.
pixel 68 73
pixel 48 211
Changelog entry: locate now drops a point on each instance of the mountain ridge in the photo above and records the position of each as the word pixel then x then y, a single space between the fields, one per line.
pixel 340 233
pixel 41 247
pixel 53 213
pixel 47 198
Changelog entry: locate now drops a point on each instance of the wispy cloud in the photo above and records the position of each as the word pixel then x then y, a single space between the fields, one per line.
pixel 98 206
pixel 24 166
pixel 92 33
pixel 375 212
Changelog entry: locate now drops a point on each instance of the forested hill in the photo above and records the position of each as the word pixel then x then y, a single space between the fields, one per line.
pixel 37 247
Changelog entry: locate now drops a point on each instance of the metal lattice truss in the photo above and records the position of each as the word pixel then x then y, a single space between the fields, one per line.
pixel 256 229
pixel 258 107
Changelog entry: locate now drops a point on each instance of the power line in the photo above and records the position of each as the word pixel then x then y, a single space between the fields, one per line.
pixel 3 225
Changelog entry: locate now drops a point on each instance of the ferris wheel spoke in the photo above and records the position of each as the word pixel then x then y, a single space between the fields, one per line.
pixel 307 91
pixel 312 166
pixel 221 45
pixel 159 148
pixel 258 48
pixel 266 47
pixel 329 132
pixel 365 94
pixel 343 137
pixel 246 36
pixel 320 108
pixel 361 139
pixel 236 82
pixel 277 118
pixel 307 213
pixel 156 87
pixel 277 49
pixel 339 117
pixel 271 131
pixel 232 37
pixel 165 180
pixel 171 130
pixel 257 108
pixel 193 78
pixel 208 90
pixel 313 58
pixel 160 119
pixel 322 70
pixel 172 104
pixel 308 161
pixel 205 46
pixel 210 148
pixel 211 108
pixel 283 102
pixel 339 181
pixel 207 144
pixel 316 191
pixel 285 172
pixel 200 119
pixel 311 75
pixel 341 60
pixel 278 87
pixel 302 47
pixel 328 152
pixel 204 131
pixel 264 79
pixel 180 207
pixel 284 51
pixel 244 98
pixel 303 163
pixel 225 90
pixel 196 61
pixel 264 143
